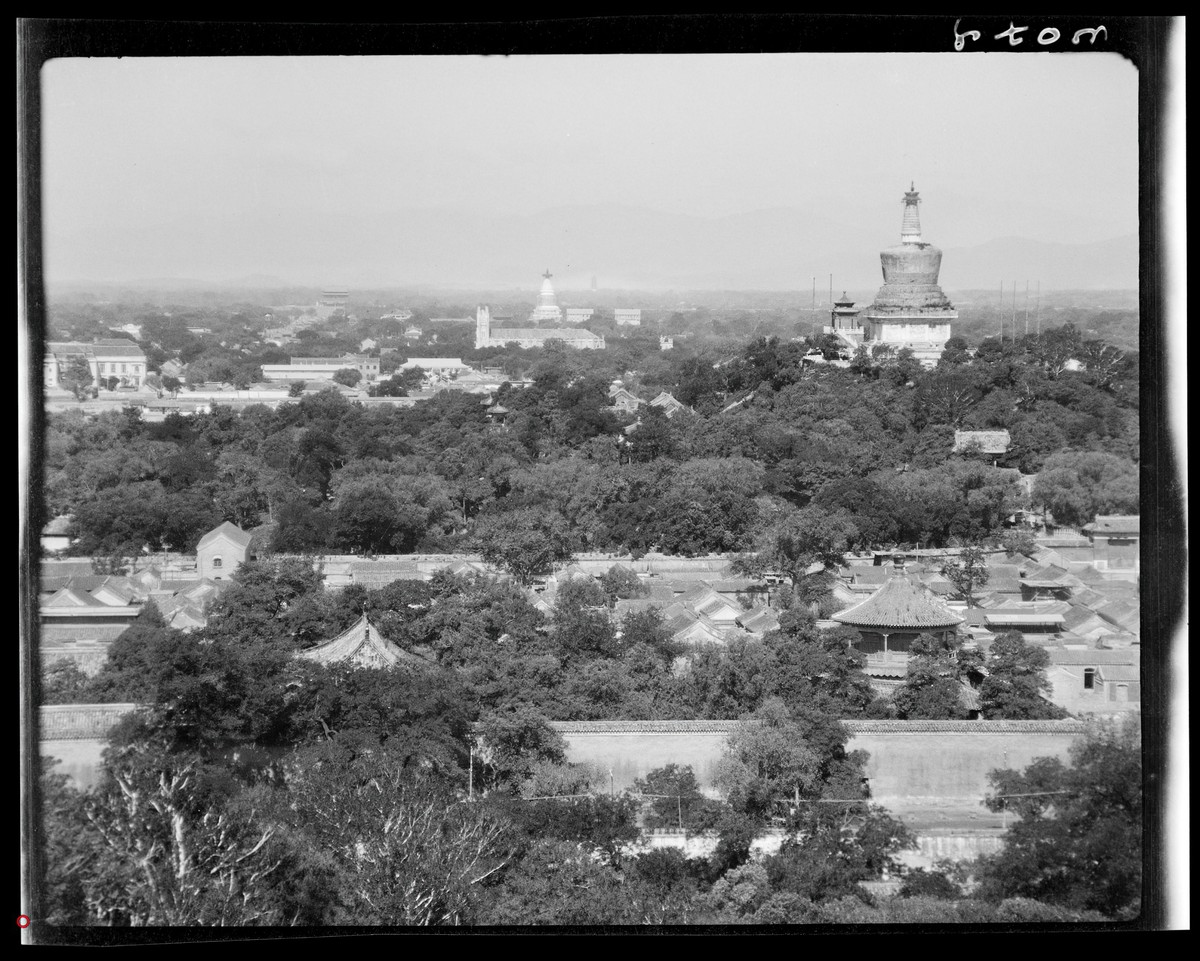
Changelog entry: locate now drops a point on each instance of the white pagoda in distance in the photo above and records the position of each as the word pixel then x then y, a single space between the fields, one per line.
pixel 547 306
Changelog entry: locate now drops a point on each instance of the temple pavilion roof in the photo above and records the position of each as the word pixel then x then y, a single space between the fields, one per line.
pixel 362 645
pixel 901 605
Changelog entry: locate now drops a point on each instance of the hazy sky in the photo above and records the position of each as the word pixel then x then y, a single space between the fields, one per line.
pixel 1041 145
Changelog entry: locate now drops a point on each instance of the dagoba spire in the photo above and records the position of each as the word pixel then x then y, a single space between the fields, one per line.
pixel 910 226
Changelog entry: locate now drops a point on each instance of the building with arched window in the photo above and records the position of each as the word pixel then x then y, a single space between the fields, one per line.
pixel 221 551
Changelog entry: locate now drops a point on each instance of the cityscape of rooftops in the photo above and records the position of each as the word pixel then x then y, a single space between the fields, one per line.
pixel 591 490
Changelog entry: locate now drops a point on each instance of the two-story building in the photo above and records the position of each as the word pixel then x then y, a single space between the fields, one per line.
pixel 121 359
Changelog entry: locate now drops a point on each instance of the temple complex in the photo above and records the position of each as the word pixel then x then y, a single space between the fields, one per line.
pixel 910 309
pixel 547 310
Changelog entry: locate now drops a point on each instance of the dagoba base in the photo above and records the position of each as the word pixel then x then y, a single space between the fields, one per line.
pixel 924 332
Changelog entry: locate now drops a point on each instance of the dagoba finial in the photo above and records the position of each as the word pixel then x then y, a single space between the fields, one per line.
pixel 547 274
pixel 910 227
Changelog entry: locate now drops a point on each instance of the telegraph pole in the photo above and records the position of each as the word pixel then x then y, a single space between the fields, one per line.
pixel 1027 308
pixel 814 309
pixel 1002 312
pixel 1039 309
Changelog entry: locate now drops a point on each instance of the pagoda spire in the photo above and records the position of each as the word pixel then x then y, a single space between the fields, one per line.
pixel 910 226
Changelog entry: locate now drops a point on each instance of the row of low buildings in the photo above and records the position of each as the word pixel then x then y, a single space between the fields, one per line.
pixel 1085 618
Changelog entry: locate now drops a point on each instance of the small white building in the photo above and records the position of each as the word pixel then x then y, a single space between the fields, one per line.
pixel 222 551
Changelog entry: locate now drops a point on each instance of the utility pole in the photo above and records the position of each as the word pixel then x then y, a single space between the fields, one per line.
pixel 471 776
pixel 1027 308
pixel 1014 313
pixel 1002 309
pixel 814 309
pixel 1039 309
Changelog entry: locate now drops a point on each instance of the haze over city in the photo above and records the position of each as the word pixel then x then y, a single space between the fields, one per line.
pixel 705 171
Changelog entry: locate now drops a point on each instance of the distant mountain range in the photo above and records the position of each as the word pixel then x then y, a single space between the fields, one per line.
pixel 623 247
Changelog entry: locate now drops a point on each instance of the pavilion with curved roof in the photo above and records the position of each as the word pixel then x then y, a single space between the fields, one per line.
pixel 363 646
pixel 897 614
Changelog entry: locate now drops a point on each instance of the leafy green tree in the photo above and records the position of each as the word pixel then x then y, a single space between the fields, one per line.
pixel 77 378
pixel 932 688
pixel 775 760
pixel 834 847
pixel 673 795
pixel 1016 682
pixel 654 437
pixel 296 388
pixel 347 376
pixel 919 883
pixel 1076 486
pixel 560 883
pixel 524 542
pixel 63 683
pixel 515 742
pixel 599 823
pixel 406 851
pixel 968 572
pixel 621 583
pixel 1078 842
pixel 163 862
pixel 1018 542
pixel 798 540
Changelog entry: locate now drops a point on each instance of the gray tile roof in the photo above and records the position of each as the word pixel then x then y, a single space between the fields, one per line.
pixel 1115 524
pixel 901 604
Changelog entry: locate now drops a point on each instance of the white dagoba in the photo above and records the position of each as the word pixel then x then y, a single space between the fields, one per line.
pixel 547 305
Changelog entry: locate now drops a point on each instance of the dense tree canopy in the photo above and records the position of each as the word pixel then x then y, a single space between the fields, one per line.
pixel 1078 842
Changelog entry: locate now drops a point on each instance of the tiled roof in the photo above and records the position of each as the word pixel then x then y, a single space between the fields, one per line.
pixel 690 726
pixel 1077 616
pixel 963 727
pixel 362 644
pixel 1028 618
pixel 541 333
pixel 1115 524
pixel 738 584
pixel 72 598
pixel 1129 655
pixel 1120 672
pixel 636 605
pixel 1123 614
pixel 645 727
pixel 759 621
pixel 75 582
pixel 899 603
pixel 229 530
